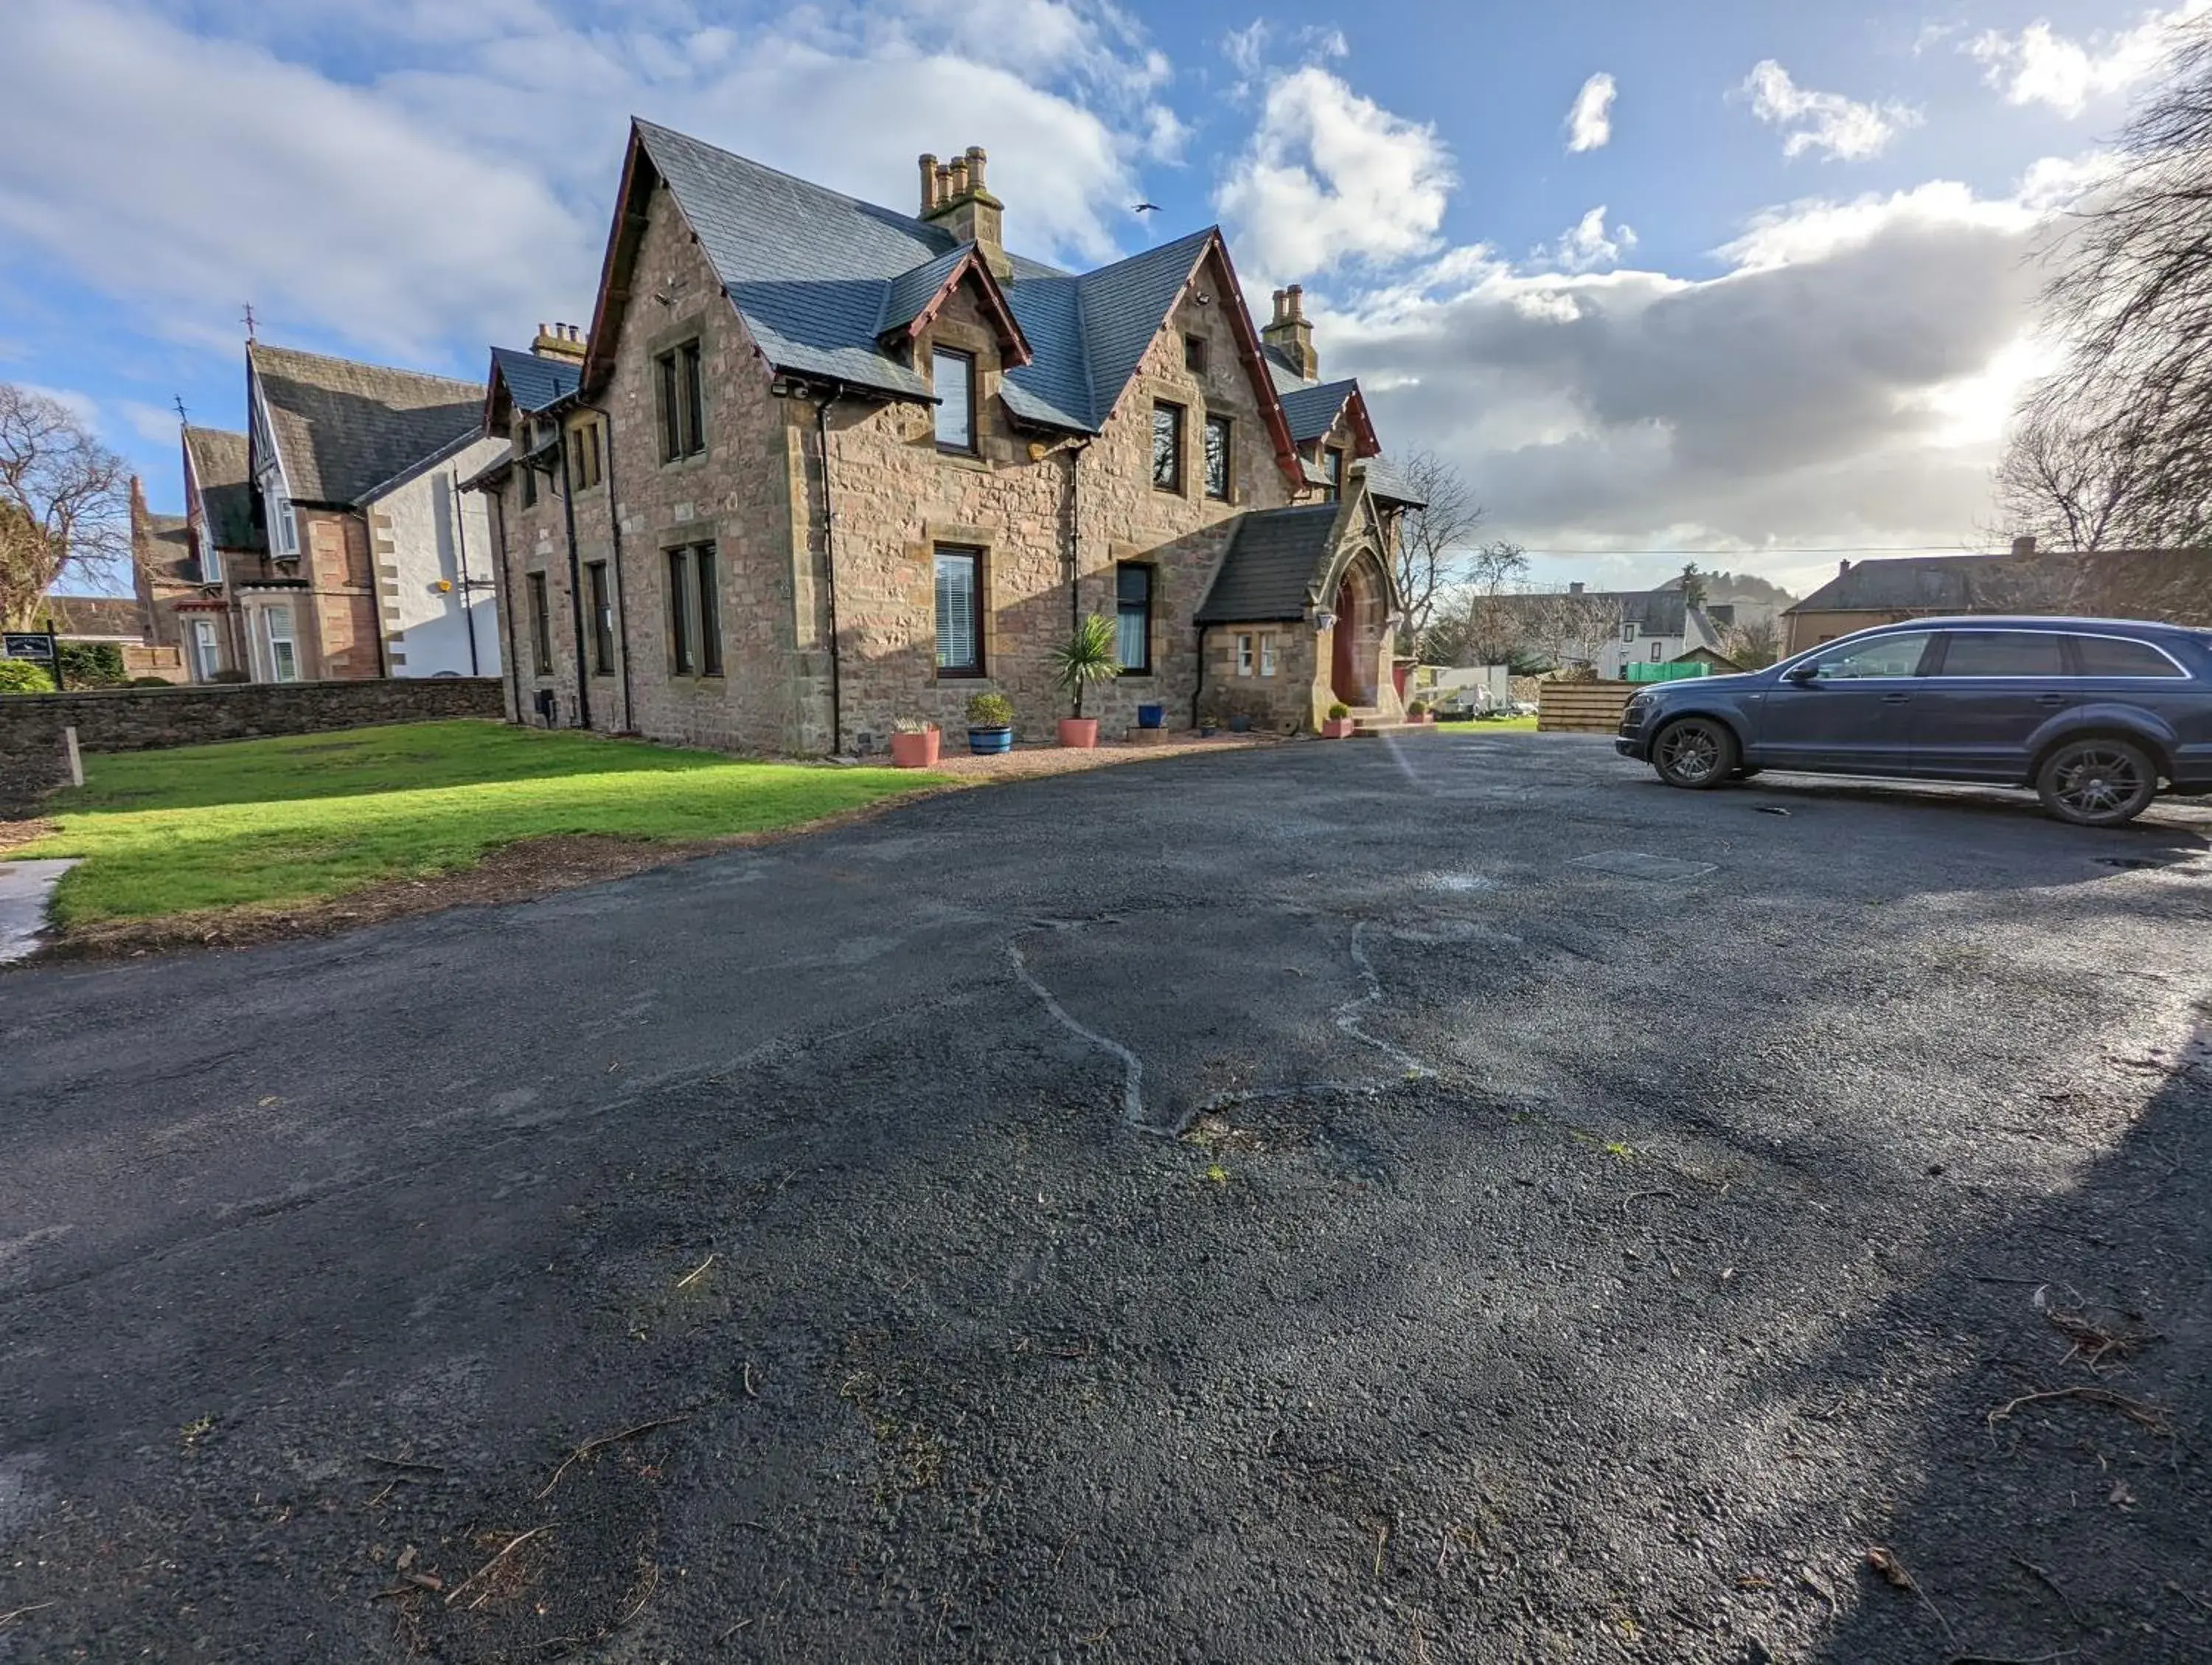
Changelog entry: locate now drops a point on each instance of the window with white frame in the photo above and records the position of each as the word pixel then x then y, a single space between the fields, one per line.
pixel 1245 655
pixel 283 650
pixel 207 657
pixel 283 533
pixel 1658 649
pixel 1268 653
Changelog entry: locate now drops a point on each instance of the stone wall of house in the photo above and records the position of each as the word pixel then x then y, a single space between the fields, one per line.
pixel 1281 699
pixel 32 762
pixel 335 623
pixel 899 498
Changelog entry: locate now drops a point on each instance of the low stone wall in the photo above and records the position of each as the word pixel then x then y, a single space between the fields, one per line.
pixel 32 761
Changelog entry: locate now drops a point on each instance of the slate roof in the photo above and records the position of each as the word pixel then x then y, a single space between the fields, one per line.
pixel 1943 583
pixel 1654 612
pixel 818 276
pixel 219 465
pixel 535 382
pixel 97 618
pixel 1311 410
pixel 1270 565
pixel 1386 481
pixel 342 428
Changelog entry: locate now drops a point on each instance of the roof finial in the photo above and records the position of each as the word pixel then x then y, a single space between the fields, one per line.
pixel 183 420
pixel 250 326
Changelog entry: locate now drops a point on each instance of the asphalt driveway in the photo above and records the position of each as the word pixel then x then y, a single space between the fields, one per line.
pixel 1442 1200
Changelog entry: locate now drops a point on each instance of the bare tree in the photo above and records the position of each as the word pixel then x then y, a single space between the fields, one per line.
pixel 2132 299
pixel 1755 643
pixel 1693 586
pixel 1569 631
pixel 65 503
pixel 2067 482
pixel 1433 551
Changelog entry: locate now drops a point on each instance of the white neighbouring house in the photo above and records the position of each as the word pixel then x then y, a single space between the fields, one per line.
pixel 432 546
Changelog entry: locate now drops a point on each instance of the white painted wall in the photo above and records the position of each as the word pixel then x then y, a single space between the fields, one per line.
pixel 434 531
pixel 1612 663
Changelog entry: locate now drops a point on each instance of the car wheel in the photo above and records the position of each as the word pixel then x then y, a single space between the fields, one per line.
pixel 2097 782
pixel 1694 752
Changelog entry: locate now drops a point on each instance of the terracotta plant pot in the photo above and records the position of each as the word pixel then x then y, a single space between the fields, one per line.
pixel 914 751
pixel 1336 728
pixel 1080 732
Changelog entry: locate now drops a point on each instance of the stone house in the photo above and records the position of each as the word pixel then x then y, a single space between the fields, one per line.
pixel 2167 586
pixel 366 538
pixel 820 467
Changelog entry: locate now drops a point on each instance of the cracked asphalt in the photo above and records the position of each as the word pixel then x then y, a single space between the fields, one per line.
pixel 1446 1199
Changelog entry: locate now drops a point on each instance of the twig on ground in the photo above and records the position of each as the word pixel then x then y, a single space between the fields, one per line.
pixel 1885 1561
pixel 2152 1417
pixel 2064 1600
pixel 598 1441
pixel 2091 1339
pixel 724 1636
pixel 389 1488
pixel 750 1394
pixel 14 1614
pixel 1633 1195
pixel 692 1276
pixel 404 1466
pixel 505 1549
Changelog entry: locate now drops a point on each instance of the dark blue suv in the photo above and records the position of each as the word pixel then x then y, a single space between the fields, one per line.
pixel 2092 713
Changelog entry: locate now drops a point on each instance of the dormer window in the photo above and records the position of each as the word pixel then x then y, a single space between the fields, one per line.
pixel 953 377
pixel 283 533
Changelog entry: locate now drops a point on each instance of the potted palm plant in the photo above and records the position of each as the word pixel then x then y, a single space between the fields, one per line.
pixel 1339 725
pixel 914 744
pixel 990 724
pixel 1090 654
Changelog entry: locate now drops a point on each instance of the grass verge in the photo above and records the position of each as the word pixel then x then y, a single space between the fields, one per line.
pixel 261 824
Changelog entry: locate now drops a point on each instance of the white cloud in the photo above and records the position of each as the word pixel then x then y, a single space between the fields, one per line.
pixel 425 208
pixel 153 423
pixel 1844 379
pixel 1589 123
pixel 1588 246
pixel 1839 128
pixel 2039 65
pixel 1331 177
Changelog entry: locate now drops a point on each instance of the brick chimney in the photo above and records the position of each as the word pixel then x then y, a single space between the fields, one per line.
pixel 954 196
pixel 1290 334
pixel 1575 588
pixel 2023 547
pixel 564 341
pixel 1842 566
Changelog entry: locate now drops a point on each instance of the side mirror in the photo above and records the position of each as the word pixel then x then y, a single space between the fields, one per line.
pixel 1802 674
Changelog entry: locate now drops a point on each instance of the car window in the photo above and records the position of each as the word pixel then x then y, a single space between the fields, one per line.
pixel 2004 654
pixel 2112 656
pixel 1885 656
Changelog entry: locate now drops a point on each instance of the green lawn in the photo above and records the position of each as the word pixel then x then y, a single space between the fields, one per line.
pixel 1492 725
pixel 292 819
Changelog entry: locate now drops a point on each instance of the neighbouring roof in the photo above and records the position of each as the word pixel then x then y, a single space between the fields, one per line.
pixel 821 278
pixel 342 428
pixel 219 466
pixel 1654 612
pixel 161 546
pixel 535 381
pixel 100 617
pixel 1908 584
pixel 1269 570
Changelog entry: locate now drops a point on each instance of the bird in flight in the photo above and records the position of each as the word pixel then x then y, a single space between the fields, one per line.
pixel 1145 208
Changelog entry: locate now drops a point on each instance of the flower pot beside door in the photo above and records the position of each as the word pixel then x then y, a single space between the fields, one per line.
pixel 914 747
pixel 990 724
pixel 1079 732
pixel 1337 726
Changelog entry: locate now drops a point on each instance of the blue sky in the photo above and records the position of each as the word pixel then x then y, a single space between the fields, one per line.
pixel 1772 296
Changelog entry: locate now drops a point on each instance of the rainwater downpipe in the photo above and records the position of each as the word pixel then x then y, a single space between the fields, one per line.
pixel 1075 534
pixel 504 600
pixel 576 581
pixel 461 559
pixel 829 568
pixel 614 541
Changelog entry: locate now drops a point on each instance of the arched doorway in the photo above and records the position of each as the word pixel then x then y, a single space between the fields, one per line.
pixel 1360 608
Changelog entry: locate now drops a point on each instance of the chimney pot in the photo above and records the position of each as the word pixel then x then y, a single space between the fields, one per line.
pixel 1843 567
pixel 1575 588
pixel 1296 297
pixel 959 177
pixel 929 197
pixel 2023 546
pixel 976 159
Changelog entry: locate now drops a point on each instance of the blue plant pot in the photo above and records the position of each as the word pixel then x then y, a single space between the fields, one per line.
pixel 984 741
pixel 1240 724
pixel 1151 716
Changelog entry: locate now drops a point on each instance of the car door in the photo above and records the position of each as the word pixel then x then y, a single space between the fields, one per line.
pixel 1852 714
pixel 1989 692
